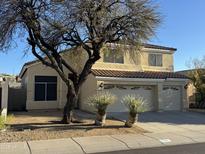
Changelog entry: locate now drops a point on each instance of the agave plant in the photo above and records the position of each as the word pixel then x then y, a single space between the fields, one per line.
pixel 100 102
pixel 135 104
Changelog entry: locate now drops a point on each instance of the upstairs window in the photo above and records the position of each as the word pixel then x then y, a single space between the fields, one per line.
pixel 45 88
pixel 113 56
pixel 155 59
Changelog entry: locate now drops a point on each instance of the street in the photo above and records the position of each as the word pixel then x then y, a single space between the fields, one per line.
pixel 179 149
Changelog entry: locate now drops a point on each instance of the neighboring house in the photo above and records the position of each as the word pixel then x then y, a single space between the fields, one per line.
pixel 191 90
pixel 7 77
pixel 149 74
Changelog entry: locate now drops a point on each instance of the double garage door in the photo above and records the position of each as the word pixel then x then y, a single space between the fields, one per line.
pixel 171 97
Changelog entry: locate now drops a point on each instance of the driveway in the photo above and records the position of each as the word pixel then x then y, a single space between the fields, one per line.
pixel 172 121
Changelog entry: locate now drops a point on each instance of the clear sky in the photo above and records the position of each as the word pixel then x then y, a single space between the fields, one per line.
pixel 183 27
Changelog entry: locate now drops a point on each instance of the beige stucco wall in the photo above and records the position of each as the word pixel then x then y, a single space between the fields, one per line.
pixel 40 69
pixel 167 61
pixel 91 86
pixel 139 62
pixel 130 63
pixel 191 90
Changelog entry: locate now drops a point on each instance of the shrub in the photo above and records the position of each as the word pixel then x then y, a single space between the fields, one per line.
pixel 4 120
pixel 135 104
pixel 101 100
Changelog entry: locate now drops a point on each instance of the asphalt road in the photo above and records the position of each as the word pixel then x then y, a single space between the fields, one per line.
pixel 181 149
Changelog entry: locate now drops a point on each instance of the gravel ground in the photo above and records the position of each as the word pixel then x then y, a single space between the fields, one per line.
pixel 54 131
pixel 26 127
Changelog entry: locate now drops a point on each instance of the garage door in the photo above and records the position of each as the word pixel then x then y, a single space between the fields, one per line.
pixel 171 98
pixel 121 90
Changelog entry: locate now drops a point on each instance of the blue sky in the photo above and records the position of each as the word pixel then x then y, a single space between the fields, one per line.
pixel 183 27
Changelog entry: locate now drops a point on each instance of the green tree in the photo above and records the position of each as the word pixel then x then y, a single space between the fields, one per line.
pixel 53 26
pixel 197 75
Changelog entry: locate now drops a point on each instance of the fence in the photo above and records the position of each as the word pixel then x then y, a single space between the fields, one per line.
pixel 4 97
pixel 16 98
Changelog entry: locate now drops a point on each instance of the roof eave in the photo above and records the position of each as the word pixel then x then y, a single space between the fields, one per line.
pixel 22 72
pixel 128 79
pixel 149 80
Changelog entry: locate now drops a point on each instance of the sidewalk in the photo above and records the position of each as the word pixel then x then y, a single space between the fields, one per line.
pixel 96 144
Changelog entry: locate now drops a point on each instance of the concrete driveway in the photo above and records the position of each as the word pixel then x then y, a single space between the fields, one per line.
pixel 169 121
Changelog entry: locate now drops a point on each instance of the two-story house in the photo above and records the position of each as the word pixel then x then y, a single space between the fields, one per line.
pixel 149 73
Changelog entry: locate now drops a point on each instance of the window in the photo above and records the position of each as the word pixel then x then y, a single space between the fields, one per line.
pixel 112 56
pixel 155 59
pixel 45 88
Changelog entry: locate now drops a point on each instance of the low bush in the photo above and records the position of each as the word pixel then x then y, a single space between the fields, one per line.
pixel 4 120
pixel 135 104
pixel 100 102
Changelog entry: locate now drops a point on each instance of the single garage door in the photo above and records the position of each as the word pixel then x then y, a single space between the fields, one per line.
pixel 120 91
pixel 171 98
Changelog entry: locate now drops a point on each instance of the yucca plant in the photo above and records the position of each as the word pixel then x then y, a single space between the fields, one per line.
pixel 100 102
pixel 135 104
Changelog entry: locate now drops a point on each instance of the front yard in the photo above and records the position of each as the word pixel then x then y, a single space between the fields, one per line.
pixel 42 125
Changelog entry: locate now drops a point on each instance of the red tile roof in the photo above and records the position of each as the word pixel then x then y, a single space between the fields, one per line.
pixel 132 74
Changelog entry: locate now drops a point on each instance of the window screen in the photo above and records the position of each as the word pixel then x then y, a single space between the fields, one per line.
pixel 113 56
pixel 155 60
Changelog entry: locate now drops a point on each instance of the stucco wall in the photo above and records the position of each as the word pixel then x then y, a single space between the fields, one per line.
pixel 89 88
pixel 191 90
pixel 91 85
pixel 167 61
pixel 139 62
pixel 42 70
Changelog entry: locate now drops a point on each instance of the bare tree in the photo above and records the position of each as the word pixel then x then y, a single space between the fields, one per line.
pixel 56 25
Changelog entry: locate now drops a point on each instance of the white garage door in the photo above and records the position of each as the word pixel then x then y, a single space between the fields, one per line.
pixel 121 90
pixel 171 98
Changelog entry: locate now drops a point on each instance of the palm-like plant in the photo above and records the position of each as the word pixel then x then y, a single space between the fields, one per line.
pixel 135 104
pixel 100 102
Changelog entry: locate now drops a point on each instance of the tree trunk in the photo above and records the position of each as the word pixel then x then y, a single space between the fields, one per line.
pixel 72 97
pixel 131 120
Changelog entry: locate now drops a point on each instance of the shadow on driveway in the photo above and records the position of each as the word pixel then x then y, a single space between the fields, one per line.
pixel 170 117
